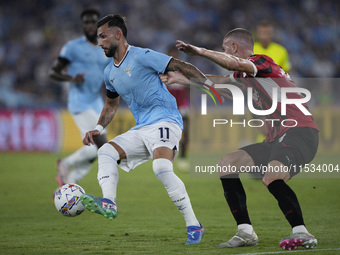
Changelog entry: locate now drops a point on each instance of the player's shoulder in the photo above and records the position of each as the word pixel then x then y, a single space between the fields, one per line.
pixel 257 45
pixel 142 55
pixel 140 50
pixel 277 47
pixel 75 42
pixel 266 66
pixel 259 59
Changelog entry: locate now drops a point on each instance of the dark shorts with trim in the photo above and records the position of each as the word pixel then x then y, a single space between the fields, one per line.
pixel 294 148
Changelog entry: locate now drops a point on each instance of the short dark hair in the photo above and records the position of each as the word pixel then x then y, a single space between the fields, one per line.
pixel 114 20
pixel 90 11
pixel 242 35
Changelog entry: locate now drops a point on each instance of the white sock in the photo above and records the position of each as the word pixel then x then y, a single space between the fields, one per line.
pixel 246 228
pixel 175 187
pixel 108 175
pixel 299 229
pixel 79 172
pixel 81 155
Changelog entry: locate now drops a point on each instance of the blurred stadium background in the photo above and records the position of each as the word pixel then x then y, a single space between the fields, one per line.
pixel 33 115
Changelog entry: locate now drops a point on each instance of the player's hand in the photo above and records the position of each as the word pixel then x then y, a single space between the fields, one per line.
pixel 88 139
pixel 174 77
pixel 79 78
pixel 224 94
pixel 164 78
pixel 188 48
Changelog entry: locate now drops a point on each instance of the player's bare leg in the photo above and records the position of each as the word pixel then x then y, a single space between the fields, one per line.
pixel 81 162
pixel 275 181
pixel 236 199
pixel 163 169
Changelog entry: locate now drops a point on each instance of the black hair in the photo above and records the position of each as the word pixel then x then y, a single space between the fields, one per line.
pixel 241 34
pixel 90 11
pixel 114 20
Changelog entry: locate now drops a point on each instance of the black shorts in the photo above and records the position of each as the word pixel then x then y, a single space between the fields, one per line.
pixel 296 147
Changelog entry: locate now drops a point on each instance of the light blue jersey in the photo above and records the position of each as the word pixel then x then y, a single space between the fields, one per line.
pixel 86 58
pixel 136 80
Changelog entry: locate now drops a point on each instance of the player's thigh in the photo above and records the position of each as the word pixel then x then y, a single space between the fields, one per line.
pixel 247 159
pixel 132 148
pixel 162 139
pixel 232 162
pixel 164 152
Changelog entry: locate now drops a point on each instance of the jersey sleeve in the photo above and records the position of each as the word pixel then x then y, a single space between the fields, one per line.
pixel 236 76
pixel 67 52
pixel 155 60
pixel 263 65
pixel 107 83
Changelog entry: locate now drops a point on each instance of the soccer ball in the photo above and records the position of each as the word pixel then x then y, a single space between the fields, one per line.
pixel 67 200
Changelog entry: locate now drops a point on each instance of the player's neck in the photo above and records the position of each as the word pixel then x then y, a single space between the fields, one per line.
pixel 244 54
pixel 120 52
pixel 92 40
pixel 265 45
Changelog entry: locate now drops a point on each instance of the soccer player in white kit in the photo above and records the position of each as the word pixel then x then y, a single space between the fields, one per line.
pixel 133 74
pixel 85 63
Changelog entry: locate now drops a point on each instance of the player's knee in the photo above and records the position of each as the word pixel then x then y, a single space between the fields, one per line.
pixel 162 165
pixel 107 150
pixel 267 180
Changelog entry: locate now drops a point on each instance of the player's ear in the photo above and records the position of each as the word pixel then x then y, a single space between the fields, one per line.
pixel 118 33
pixel 234 47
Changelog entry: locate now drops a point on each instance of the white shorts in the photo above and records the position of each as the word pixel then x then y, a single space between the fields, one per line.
pixel 86 121
pixel 139 144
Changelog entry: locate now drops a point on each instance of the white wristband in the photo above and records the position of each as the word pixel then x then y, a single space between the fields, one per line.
pixel 208 82
pixel 99 128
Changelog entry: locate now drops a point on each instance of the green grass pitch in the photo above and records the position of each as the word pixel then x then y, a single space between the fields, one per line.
pixel 148 222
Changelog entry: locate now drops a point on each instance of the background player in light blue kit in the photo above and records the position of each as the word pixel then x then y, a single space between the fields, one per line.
pixel 85 63
pixel 133 74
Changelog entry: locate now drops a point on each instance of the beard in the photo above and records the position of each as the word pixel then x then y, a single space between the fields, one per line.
pixel 111 51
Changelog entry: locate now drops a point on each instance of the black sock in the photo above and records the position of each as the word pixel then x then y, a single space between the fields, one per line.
pixel 288 202
pixel 236 198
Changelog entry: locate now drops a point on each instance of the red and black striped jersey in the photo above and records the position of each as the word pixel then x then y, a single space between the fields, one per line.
pixel 268 75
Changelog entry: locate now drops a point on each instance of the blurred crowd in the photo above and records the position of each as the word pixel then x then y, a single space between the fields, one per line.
pixel 33 32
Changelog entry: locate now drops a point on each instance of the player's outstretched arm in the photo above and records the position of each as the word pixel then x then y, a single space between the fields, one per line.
pixel 106 116
pixel 190 71
pixel 188 48
pixel 219 79
pixel 177 77
pixel 57 72
pixel 225 60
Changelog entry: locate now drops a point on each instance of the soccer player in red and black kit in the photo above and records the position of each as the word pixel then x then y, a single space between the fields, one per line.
pixel 287 147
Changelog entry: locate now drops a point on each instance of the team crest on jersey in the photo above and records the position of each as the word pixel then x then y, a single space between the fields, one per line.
pixel 128 70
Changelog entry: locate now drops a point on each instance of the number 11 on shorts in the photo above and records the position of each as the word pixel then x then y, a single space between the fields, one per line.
pixel 162 131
